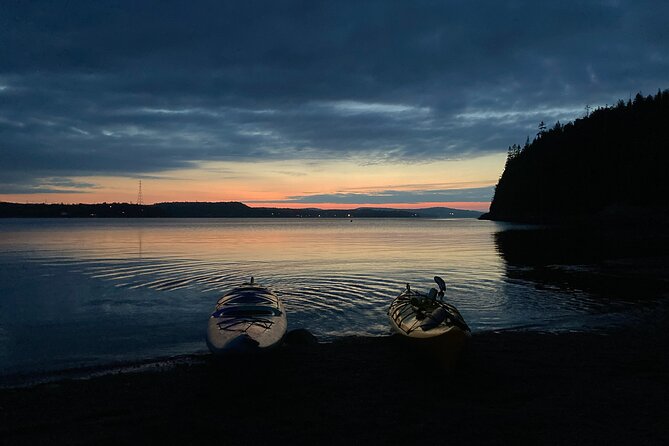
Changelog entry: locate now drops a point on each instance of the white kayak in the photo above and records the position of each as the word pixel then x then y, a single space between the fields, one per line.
pixel 246 319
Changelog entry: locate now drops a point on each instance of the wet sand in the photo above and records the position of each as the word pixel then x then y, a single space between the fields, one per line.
pixel 510 388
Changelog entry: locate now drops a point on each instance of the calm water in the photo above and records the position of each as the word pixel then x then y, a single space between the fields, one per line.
pixel 79 292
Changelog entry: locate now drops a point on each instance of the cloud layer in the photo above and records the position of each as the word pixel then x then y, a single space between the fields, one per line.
pixel 482 194
pixel 136 88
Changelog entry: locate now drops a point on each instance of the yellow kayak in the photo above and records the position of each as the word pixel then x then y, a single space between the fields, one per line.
pixel 428 321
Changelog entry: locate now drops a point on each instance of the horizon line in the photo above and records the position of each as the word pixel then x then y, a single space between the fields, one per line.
pixel 482 206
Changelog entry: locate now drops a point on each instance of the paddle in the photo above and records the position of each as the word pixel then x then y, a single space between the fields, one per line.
pixel 442 286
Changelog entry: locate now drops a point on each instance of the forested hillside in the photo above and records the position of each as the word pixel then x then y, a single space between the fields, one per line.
pixel 611 163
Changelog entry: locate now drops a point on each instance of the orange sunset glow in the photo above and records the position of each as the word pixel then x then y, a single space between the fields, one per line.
pixel 329 184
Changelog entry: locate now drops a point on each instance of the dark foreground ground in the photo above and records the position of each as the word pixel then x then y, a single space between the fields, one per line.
pixel 511 388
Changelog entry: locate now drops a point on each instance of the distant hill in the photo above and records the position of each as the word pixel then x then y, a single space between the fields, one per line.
pixel 442 212
pixel 611 164
pixel 213 210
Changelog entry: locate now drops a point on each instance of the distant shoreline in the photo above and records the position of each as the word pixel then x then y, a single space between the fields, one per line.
pixel 231 209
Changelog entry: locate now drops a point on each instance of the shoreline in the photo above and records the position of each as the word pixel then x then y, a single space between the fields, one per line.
pixel 510 387
pixel 226 209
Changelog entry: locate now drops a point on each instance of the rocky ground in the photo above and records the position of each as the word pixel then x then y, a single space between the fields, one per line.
pixel 509 388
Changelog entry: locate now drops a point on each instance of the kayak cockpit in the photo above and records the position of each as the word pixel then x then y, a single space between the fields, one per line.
pixel 246 311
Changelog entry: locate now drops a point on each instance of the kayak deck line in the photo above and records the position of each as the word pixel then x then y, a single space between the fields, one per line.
pixel 403 309
pixel 263 323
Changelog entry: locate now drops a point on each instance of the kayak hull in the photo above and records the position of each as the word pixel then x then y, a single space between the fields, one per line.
pixel 247 319
pixel 446 349
pixel 429 326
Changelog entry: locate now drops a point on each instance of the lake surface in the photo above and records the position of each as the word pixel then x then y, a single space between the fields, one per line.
pixel 77 292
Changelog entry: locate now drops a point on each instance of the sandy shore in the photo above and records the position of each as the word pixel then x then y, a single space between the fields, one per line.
pixel 510 388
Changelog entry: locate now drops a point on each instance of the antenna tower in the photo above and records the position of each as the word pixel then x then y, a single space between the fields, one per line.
pixel 140 199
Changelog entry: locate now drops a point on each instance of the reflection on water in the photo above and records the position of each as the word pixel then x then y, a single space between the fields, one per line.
pixel 587 277
pixel 82 291
pixel 609 266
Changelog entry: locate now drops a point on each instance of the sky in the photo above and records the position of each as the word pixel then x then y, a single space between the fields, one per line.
pixel 336 104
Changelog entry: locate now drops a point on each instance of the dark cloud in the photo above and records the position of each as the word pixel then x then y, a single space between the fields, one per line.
pixel 134 88
pixel 15 184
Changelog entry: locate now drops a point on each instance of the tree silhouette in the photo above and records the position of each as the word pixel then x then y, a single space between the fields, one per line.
pixel 615 158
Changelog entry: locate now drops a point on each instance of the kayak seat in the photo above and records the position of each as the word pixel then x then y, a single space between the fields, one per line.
pixel 246 311
pixel 434 319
